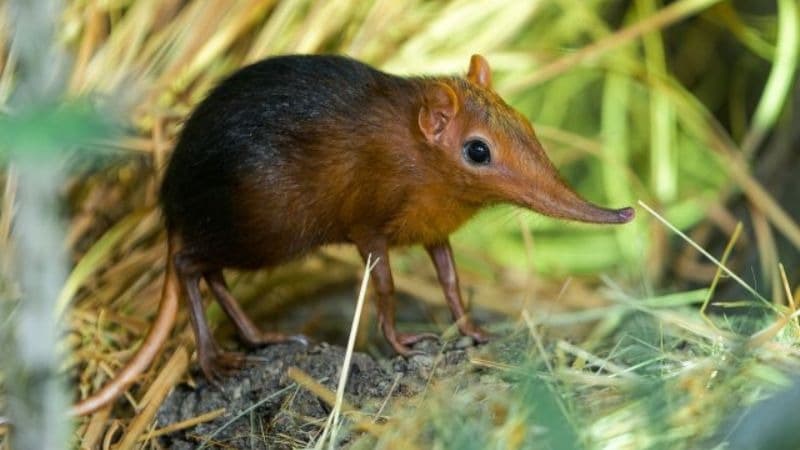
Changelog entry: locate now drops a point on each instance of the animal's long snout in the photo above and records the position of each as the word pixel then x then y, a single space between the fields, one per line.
pixel 556 199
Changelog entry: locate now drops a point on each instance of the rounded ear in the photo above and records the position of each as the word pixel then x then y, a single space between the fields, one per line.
pixel 479 71
pixel 439 107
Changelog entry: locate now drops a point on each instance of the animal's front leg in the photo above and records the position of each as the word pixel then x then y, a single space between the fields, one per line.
pixel 384 286
pixel 442 256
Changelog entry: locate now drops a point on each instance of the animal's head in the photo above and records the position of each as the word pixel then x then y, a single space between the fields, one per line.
pixel 491 152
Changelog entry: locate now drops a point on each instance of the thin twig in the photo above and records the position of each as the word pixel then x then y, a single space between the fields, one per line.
pixel 731 242
pixel 333 420
pixel 707 255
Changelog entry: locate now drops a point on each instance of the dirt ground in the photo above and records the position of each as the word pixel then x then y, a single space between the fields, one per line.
pixel 266 409
pixel 289 416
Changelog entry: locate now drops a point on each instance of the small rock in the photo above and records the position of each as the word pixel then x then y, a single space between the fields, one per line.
pixel 463 343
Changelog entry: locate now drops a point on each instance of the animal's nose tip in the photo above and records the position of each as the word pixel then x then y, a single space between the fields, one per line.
pixel 626 214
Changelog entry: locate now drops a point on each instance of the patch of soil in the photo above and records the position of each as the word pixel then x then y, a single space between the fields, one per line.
pixel 265 409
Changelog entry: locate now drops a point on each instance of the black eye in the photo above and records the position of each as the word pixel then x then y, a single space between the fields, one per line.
pixel 477 152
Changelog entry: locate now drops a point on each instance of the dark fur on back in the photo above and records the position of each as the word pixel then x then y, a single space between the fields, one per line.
pixel 253 162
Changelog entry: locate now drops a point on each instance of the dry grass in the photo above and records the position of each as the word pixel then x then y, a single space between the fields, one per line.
pixel 623 114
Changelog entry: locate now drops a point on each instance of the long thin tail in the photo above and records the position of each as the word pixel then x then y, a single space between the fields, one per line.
pixel 155 339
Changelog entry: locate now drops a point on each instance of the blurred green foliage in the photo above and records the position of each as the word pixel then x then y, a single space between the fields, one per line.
pixel 638 123
pixel 47 128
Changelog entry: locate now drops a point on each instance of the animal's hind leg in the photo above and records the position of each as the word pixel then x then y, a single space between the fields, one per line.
pixel 250 334
pixel 213 361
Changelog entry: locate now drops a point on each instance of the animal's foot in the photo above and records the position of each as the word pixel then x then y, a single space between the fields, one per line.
pixel 469 328
pixel 402 342
pixel 217 364
pixel 262 338
pixel 413 338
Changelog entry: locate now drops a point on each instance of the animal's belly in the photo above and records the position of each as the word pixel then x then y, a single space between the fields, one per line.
pixel 426 225
pixel 272 242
